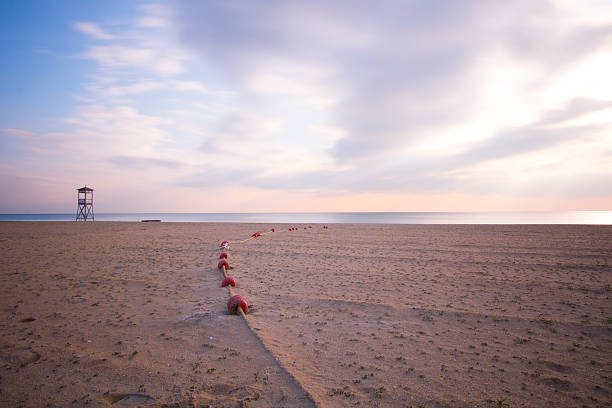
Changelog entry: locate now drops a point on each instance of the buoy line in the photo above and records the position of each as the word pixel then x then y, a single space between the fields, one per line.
pixel 237 304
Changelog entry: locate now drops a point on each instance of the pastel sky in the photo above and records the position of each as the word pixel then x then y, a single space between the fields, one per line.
pixel 225 106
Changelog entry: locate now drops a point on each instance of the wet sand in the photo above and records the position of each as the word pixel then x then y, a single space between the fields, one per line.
pixel 132 314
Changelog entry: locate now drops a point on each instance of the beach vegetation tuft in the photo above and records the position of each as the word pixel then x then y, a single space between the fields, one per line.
pixel 380 391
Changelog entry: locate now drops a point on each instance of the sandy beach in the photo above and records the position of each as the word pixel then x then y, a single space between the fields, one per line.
pixel 133 314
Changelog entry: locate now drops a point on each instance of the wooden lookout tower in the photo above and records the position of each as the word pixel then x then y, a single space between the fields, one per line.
pixel 85 204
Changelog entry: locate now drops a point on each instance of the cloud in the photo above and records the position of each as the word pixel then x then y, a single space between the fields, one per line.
pixel 148 59
pixel 134 88
pixel 303 90
pixel 16 132
pixel 575 108
pixel 114 130
pixel 142 163
pixel 43 143
pixel 484 167
pixel 93 30
pixel 392 74
pixel 106 88
pixel 541 134
pixel 188 86
pixel 154 16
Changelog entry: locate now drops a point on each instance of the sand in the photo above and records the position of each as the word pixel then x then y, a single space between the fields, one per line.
pixel 132 314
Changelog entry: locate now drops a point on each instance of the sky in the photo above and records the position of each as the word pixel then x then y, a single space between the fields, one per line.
pixel 243 106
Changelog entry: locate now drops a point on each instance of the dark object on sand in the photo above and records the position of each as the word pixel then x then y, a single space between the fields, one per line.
pixel 150 220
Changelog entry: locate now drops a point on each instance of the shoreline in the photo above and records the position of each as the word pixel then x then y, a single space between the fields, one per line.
pixel 391 218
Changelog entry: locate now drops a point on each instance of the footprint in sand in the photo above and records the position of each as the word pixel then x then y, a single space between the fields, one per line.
pixel 554 366
pixel 559 384
pixel 20 357
pixel 224 394
pixel 127 400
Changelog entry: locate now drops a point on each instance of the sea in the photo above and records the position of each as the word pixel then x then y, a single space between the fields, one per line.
pixel 522 217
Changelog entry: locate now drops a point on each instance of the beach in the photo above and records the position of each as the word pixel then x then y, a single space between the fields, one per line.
pixel 133 314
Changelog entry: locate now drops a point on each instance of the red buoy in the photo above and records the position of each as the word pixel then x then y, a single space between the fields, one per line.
pixel 255 235
pixel 272 230
pixel 223 255
pixel 235 302
pixel 228 281
pixel 310 226
pixel 223 263
pixel 224 244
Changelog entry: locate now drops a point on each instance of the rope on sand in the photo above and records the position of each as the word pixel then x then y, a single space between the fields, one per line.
pixel 238 305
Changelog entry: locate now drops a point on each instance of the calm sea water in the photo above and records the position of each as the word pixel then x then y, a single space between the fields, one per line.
pixel 562 217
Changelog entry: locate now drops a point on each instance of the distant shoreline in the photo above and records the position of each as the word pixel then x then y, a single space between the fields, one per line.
pixel 442 218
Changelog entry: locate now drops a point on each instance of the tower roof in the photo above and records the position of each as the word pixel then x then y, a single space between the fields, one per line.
pixel 85 189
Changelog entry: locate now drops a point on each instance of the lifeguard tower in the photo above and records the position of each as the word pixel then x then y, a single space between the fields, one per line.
pixel 85 204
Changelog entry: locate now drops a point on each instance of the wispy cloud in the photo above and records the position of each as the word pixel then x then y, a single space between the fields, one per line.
pixel 142 163
pixel 575 108
pixel 16 132
pixel 117 129
pixel 93 30
pixel 148 59
pixel 134 88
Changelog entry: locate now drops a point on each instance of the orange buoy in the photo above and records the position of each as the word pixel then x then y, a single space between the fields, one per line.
pixel 223 255
pixel 228 281
pixel 235 302
pixel 223 263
